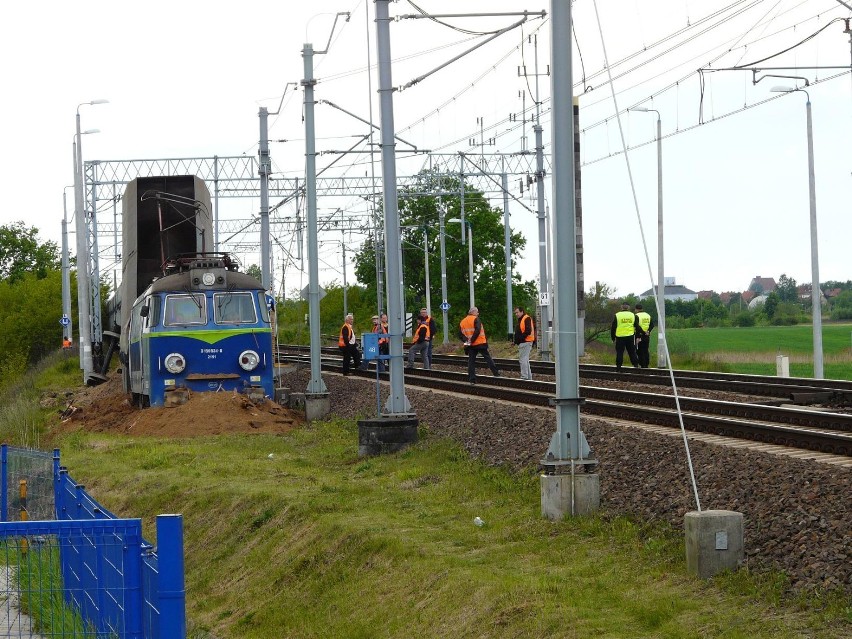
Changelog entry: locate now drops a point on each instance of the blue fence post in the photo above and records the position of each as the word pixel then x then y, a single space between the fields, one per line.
pixel 56 483
pixel 133 601
pixel 172 604
pixel 4 483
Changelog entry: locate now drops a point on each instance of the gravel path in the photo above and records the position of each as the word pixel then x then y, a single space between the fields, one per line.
pixel 798 513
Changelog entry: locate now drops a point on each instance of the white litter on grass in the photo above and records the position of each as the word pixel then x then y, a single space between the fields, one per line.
pixel 270 456
pixel 478 522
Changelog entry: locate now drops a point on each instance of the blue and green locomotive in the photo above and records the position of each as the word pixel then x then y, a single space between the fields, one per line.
pixel 202 327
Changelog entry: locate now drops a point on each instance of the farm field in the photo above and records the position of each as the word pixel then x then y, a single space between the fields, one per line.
pixel 753 350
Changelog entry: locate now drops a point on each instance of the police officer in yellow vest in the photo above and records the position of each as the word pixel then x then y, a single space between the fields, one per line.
pixel 625 327
pixel 643 338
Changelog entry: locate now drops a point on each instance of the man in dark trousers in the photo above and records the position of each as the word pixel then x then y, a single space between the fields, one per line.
pixel 625 326
pixel 433 328
pixel 473 334
pixel 348 345
pixel 643 337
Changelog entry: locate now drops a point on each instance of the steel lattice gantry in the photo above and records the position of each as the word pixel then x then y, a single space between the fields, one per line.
pixel 238 177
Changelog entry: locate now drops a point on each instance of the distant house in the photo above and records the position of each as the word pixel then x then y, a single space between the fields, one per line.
pixel 748 296
pixel 727 297
pixel 762 285
pixel 672 291
pixel 804 293
pixel 706 295
pixel 832 293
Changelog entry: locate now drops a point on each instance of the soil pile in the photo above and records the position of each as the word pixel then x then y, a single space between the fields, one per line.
pixel 106 408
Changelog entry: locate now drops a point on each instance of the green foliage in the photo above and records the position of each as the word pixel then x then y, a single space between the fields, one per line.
pixel 743 319
pixel 21 253
pixel 30 308
pixel 255 272
pixel 600 309
pixel 420 221
pixel 787 289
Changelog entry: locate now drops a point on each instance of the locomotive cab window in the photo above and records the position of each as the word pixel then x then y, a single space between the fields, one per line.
pixel 234 308
pixel 185 309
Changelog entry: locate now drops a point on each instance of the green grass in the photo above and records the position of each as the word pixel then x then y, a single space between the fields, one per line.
pixel 39 580
pixel 317 542
pixel 751 350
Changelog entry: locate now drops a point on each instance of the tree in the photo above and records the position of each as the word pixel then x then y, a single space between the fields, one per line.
pixel 787 289
pixel 21 253
pixel 771 305
pixel 600 309
pixel 419 221
pixel 255 272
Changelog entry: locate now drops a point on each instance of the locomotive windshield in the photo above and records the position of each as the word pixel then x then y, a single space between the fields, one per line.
pixel 234 308
pixel 185 309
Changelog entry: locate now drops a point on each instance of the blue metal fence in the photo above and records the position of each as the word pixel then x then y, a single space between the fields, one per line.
pixel 112 582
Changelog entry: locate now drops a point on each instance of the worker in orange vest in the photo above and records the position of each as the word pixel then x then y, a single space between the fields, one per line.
pixel 524 338
pixel 348 344
pixel 475 342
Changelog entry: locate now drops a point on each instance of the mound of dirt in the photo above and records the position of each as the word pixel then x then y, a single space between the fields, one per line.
pixel 106 408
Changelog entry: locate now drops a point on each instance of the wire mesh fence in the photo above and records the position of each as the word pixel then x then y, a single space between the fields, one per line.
pixel 35 468
pixel 70 568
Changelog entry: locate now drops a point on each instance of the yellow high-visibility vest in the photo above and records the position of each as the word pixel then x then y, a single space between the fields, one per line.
pixel 624 324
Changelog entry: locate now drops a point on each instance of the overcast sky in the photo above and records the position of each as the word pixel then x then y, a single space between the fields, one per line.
pixel 186 79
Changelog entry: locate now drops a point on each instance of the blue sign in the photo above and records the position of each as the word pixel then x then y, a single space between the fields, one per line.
pixel 445 306
pixel 64 320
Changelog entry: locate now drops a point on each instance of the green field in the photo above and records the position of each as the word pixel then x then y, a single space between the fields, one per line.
pixel 753 350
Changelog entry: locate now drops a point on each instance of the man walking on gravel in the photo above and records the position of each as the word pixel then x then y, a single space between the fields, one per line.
pixel 643 336
pixel 625 327
pixel 473 334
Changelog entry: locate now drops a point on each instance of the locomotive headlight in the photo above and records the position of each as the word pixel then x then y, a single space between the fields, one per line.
pixel 209 279
pixel 249 360
pixel 175 363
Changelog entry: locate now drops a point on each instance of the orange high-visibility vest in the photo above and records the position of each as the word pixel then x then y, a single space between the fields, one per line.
pixel 531 336
pixel 467 329
pixel 341 341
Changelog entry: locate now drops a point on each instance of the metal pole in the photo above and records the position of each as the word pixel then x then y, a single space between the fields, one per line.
pixel 345 286
pixel 815 290
pixel 95 284
pixel 507 248
pixel 566 440
pixel 470 261
pixel 426 267
pixel 316 384
pixel 263 170
pixel 543 333
pixel 443 273
pixel 117 253
pixel 83 320
pixel 67 331
pixel 662 361
pixel 397 402
pixel 215 203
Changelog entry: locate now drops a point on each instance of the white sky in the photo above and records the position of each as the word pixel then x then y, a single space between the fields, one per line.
pixel 185 79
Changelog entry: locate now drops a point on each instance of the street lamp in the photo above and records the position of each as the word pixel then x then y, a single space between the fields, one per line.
pixel 469 254
pixel 815 290
pixel 661 284
pixel 83 284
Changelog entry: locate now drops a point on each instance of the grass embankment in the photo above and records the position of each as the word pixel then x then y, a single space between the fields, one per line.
pixel 316 542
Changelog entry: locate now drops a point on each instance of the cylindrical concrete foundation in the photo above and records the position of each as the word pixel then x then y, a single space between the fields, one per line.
pixel 386 434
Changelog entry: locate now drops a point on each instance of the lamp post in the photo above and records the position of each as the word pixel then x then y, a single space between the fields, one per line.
pixel 815 290
pixel 661 281
pixel 83 284
pixel 67 329
pixel 469 254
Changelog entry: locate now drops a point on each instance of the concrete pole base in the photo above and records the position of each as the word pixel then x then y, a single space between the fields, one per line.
pixel 282 395
pixel 383 435
pixel 317 406
pixel 714 541
pixel 564 495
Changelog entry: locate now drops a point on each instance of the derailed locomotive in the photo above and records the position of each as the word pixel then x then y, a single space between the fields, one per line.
pixel 189 320
pixel 202 327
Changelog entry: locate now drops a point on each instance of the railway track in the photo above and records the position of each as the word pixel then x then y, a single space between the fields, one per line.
pixel 807 429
